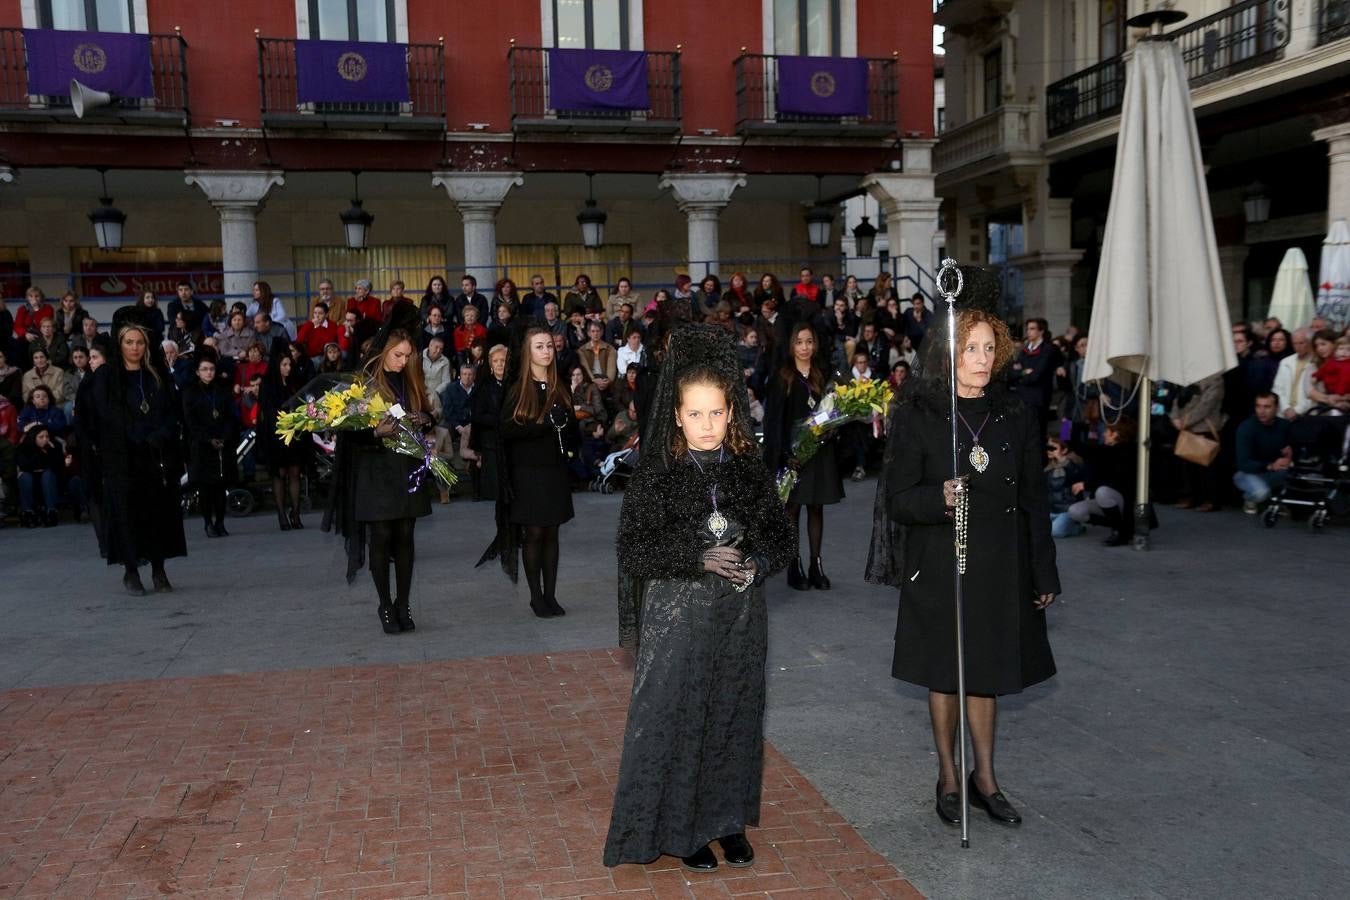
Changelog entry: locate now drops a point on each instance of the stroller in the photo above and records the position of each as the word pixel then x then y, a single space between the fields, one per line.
pixel 617 467
pixel 1319 477
pixel 239 500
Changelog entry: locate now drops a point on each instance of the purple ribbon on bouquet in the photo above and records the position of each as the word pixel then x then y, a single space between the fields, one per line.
pixel 415 479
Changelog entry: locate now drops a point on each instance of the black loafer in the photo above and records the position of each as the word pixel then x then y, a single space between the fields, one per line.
pixel 948 806
pixel 700 861
pixel 554 606
pixel 736 851
pixel 997 805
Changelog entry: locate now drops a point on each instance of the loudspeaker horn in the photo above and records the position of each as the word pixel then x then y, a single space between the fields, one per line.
pixel 83 98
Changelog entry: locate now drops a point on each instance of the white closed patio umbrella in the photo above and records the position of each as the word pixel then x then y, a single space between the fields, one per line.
pixel 1333 280
pixel 1292 300
pixel 1159 309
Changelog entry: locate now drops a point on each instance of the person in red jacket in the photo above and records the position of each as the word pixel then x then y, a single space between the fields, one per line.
pixel 29 317
pixel 363 303
pixel 317 332
pixel 468 334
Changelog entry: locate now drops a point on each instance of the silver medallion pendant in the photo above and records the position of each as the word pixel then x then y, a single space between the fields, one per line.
pixel 717 524
pixel 145 407
pixel 979 459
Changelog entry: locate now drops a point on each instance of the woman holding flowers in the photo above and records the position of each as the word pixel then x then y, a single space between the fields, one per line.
pixel 794 396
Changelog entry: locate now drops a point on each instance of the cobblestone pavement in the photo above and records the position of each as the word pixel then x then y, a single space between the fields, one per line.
pixel 1190 747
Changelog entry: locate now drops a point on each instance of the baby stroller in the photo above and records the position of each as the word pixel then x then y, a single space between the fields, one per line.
pixel 617 468
pixel 1319 477
pixel 239 500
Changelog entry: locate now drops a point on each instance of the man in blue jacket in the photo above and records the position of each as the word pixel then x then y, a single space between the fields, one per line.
pixel 1263 452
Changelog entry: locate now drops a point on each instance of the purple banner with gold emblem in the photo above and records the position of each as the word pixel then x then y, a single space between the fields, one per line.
pixel 597 79
pixel 822 86
pixel 103 60
pixel 351 72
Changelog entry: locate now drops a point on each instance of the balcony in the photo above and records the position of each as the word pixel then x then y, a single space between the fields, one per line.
pixel 757 103
pixel 530 110
pixel 1007 132
pixel 1333 20
pixel 168 107
pixel 962 13
pixel 1242 37
pixel 424 111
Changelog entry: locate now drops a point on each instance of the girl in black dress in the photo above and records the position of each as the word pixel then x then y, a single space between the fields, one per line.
pixel 793 396
pixel 286 462
pixel 134 427
pixel 487 412
pixel 212 422
pixel 538 433
pixel 701 527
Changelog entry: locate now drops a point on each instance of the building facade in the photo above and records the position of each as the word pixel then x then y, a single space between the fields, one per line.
pixel 1033 96
pixel 238 162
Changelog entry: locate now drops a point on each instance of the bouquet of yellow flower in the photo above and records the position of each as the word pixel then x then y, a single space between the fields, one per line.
pixel 860 400
pixel 356 407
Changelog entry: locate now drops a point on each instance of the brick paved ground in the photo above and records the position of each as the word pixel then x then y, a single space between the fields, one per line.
pixel 476 778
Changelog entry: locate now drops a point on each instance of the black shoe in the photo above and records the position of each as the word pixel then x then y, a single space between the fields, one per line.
pixel 1116 539
pixel 554 607
pixel 389 619
pixel 27 520
pixel 997 805
pixel 220 530
pixel 405 619
pixel 211 530
pixel 818 579
pixel 948 806
pixel 796 578
pixel 161 581
pixel 736 851
pixel 133 584
pixel 540 608
pixel 295 520
pixel 281 520
pixel 53 518
pixel 1120 528
pixel 700 861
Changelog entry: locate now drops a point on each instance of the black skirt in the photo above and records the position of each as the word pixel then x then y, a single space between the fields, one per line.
pixel 381 492
pixel 541 495
pixel 819 482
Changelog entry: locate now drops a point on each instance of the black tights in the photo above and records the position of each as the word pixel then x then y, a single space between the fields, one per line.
pixel 539 551
pixel 156 566
pixel 815 524
pixel 286 480
pixel 211 499
pixel 392 540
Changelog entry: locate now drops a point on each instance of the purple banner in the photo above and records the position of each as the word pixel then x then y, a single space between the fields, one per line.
pixel 822 86
pixel 351 72
pixel 105 61
pixel 597 79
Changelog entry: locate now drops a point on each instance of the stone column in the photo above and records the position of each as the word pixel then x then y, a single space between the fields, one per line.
pixel 238 195
pixel 911 206
pixel 478 196
pixel 1047 265
pixel 702 197
pixel 1338 153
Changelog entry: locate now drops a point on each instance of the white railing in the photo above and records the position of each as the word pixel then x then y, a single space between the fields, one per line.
pixel 1010 129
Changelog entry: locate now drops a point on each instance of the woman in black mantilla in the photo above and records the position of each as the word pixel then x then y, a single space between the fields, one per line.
pixel 135 429
pixel 212 422
pixel 700 528
pixel 371 495
pixel 1010 576
pixel 538 433
pixel 793 396
pixel 285 462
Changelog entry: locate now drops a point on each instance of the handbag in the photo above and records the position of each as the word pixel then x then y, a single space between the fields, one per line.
pixel 1197 448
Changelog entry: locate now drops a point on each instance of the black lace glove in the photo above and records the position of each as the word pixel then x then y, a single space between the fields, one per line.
pixel 724 561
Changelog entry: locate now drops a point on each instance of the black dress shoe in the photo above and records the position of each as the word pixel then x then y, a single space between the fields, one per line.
pixel 554 607
pixel 161 581
pixel 296 524
pixel 819 580
pixel 948 806
pixel 541 608
pixel 389 619
pixel 796 578
pixel 405 619
pixel 736 850
pixel 997 805
pixel 133 584
pixel 220 530
pixel 700 861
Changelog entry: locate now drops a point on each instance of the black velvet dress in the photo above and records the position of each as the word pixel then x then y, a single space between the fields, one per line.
pixel 787 406
pixel 694 744
pixel 1010 554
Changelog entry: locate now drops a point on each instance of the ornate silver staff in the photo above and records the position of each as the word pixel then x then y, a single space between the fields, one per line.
pixel 948 273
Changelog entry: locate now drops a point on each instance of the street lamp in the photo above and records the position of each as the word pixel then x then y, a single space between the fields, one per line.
pixel 819 221
pixel 591 218
pixel 356 221
pixel 864 234
pixel 1256 204
pixel 108 219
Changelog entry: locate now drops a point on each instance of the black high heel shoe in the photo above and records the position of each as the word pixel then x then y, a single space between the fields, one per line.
pixel 296 524
pixel 796 578
pixel 131 581
pixel 281 520
pixel 160 579
pixel 995 804
pixel 819 580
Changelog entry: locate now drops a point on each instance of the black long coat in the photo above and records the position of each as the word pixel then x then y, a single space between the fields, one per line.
pixel 786 406
pixel 211 414
pixel 536 458
pixel 1010 554
pixel 484 439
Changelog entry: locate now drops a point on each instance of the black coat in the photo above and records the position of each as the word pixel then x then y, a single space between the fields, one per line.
pixel 484 439
pixel 210 414
pixel 786 407
pixel 1010 556
pixel 536 464
pixel 1032 375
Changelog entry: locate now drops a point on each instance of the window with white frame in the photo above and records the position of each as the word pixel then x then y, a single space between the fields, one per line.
pixel 591 24
pixel 351 20
pixel 806 27
pixel 87 15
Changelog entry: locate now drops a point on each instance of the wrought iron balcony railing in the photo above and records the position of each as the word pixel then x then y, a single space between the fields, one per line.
pixel 757 101
pixel 277 81
pixel 1333 20
pixel 530 109
pixel 168 66
pixel 1243 36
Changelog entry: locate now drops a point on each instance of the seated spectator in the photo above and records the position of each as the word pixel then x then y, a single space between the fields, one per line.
pixel 1263 452
pixel 632 353
pixel 457 404
pixel 469 333
pixel 499 331
pixel 585 466
pixel 437 296
pixel 750 354
pixel 576 332
pixel 362 303
pixel 553 320
pixel 537 299
pixel 1108 487
pixel 266 330
pixel 598 357
pixel 1063 470
pixel 623 293
pixel 87 333
pixel 875 346
pixel 621 326
pixel 1331 380
pixel 217 317
pixel 41 409
pixel 564 357
pixel 916 320
pixel 856 437
pixel 11 381
pixel 182 334
pixel 68 315
pixel 471 298
pixel 899 373
pixel 436 372
pixel 318 332
pixel 43 372
pixel 246 395
pixel 1293 375
pixel 332 361
pixel 254 364
pixel 504 294
pixel 396 296
pixel 626 387
pixel 29 316
pixel 180 368
pixel 624 427
pixel 302 368
pixel 41 462
pixel 587 403
pixel 583 298
pixel 233 340
pixel 75 375
pixel 51 342
pixel 861 370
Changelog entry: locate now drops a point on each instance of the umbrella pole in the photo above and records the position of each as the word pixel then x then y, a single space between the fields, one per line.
pixel 1142 504
pixel 949 266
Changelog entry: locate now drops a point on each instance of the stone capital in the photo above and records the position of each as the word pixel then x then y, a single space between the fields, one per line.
pixel 701 194
pixel 894 191
pixel 1050 262
pixel 1334 134
pixel 477 194
pixel 917 156
pixel 236 190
